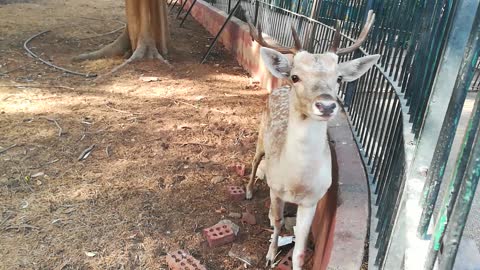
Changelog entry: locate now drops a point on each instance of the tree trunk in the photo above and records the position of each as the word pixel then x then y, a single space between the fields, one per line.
pixel 146 34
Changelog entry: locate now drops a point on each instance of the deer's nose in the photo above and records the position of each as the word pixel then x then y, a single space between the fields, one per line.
pixel 326 107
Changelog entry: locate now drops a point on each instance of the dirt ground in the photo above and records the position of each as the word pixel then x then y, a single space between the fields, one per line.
pixel 146 188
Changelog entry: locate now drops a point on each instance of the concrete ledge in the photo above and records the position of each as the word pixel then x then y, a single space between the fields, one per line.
pixel 352 216
pixel 341 221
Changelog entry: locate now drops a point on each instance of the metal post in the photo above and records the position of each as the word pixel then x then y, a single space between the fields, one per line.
pixel 298 6
pixel 415 249
pixel 311 42
pixel 351 86
pixel 188 12
pixel 462 207
pixel 183 6
pixel 176 1
pixel 255 19
pixel 229 6
pixel 220 32
pixel 462 24
pixel 452 198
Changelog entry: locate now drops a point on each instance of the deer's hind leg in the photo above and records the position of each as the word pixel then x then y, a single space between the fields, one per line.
pixel 259 153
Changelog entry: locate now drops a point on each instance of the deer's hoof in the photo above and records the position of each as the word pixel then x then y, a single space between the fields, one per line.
pixel 249 194
pixel 271 255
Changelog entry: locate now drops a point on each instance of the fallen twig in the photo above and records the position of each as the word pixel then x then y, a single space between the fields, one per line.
pixel 48 163
pixel 117 110
pixel 115 69
pixel 183 102
pixel 103 20
pixel 11 70
pixel 104 34
pixel 86 153
pixel 193 143
pixel 216 110
pixel 195 106
pixel 37 86
pixel 9 216
pixel 107 150
pixel 22 226
pixel 25 46
pixel 7 148
pixel 60 130
pixel 51 162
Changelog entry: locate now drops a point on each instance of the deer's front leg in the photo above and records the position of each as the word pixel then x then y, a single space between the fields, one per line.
pixel 302 229
pixel 276 218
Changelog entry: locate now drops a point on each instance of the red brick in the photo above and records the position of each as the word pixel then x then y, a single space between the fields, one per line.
pixel 218 235
pixel 249 218
pixel 240 169
pixel 236 193
pixel 286 262
pixel 181 260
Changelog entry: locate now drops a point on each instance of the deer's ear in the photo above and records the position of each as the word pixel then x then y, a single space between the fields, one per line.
pixel 352 70
pixel 276 62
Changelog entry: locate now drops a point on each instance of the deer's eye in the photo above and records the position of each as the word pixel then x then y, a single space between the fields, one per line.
pixel 295 78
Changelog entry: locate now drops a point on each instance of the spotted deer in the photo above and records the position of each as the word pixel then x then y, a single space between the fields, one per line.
pixel 293 131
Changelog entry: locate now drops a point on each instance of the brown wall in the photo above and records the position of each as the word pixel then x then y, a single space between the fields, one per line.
pixel 235 38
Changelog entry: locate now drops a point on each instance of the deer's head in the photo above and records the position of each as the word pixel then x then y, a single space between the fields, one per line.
pixel 315 78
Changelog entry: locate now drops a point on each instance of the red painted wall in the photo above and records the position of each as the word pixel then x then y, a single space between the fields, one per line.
pixel 235 38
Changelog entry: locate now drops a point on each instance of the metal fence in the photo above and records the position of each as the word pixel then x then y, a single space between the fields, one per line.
pixel 388 108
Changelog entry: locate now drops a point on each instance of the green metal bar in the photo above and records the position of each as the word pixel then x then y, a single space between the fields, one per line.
pixel 464 15
pixel 434 54
pixel 455 207
pixel 461 209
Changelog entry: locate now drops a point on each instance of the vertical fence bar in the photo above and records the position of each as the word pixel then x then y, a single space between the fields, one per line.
pixel 462 85
pixel 418 161
pixel 352 86
pixel 458 218
pixel 418 111
pixel 443 90
pixel 298 6
pixel 255 18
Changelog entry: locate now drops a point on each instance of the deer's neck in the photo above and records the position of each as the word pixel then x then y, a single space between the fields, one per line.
pixel 304 134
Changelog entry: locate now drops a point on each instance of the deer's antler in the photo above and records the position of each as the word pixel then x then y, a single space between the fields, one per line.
pixel 257 36
pixel 361 38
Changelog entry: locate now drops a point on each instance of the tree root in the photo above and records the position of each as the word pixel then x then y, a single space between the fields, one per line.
pixel 105 34
pixel 117 48
pixel 146 50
